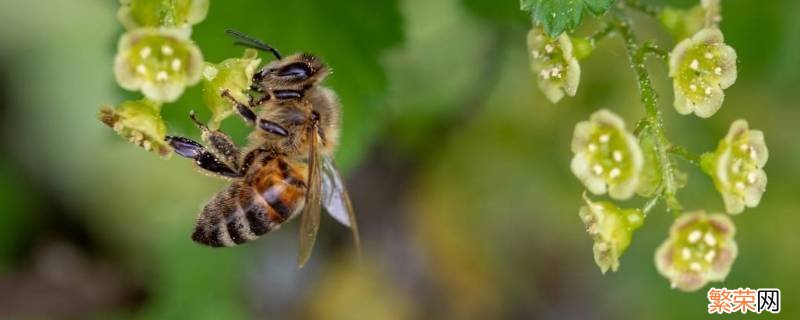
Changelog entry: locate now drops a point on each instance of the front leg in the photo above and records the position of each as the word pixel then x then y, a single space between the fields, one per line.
pixel 202 158
pixel 245 112
pixel 221 144
pixel 251 118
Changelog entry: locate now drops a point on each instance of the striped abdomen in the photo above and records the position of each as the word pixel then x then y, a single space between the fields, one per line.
pixel 270 195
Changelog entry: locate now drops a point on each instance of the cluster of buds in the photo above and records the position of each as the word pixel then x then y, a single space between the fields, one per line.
pixel 157 57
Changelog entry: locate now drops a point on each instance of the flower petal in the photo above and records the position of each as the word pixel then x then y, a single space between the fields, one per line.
pixel 710 104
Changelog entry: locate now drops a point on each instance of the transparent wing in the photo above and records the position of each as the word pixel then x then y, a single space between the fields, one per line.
pixel 309 220
pixel 335 198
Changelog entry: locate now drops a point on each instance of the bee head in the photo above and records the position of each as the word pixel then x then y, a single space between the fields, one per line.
pixel 295 72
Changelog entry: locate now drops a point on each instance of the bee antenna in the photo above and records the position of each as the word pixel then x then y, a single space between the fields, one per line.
pixel 248 41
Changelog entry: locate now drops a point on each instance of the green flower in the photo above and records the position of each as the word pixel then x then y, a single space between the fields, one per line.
pixel 700 68
pixel 234 75
pixel 159 62
pixel 552 60
pixel 135 14
pixel 606 156
pixel 737 167
pixel 140 122
pixel 611 228
pixel 700 249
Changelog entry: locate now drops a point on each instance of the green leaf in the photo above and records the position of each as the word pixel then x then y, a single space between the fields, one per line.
pixel 557 16
pixel 598 7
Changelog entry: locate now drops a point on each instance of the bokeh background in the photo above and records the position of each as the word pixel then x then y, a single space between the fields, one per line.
pixel 457 165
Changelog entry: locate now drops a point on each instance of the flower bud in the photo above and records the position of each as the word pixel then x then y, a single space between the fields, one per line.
pixel 611 228
pixel 140 123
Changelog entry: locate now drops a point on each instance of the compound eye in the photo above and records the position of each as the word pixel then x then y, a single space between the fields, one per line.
pixel 297 70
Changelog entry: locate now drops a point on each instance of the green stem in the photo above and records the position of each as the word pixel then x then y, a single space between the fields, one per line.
pixel 651 48
pixel 652 123
pixel 684 154
pixel 650 10
pixel 650 204
pixel 600 34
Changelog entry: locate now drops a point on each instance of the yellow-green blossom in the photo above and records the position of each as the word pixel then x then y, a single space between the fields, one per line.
pixel 737 167
pixel 234 75
pixel 700 249
pixel 611 228
pixel 700 68
pixel 135 14
pixel 160 62
pixel 554 64
pixel 607 157
pixel 140 123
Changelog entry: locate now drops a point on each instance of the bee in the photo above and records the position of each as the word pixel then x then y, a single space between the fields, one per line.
pixel 287 169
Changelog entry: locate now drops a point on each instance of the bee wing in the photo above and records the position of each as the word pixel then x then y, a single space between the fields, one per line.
pixel 336 200
pixel 309 221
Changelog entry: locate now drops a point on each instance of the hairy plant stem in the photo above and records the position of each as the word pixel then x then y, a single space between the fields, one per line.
pixel 650 10
pixel 653 123
pixel 602 33
pixel 684 154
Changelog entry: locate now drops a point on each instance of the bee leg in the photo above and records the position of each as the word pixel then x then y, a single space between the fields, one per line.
pixel 288 94
pixel 221 144
pixel 244 111
pixel 249 116
pixel 252 102
pixel 191 149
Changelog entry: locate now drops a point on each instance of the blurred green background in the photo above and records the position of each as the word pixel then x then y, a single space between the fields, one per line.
pixel 457 165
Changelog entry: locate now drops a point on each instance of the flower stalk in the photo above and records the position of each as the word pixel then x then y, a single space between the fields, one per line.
pixel 653 123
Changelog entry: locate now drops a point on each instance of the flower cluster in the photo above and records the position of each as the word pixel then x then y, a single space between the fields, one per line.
pixel 157 57
pixel 737 167
pixel 553 62
pixel 607 157
pixel 700 249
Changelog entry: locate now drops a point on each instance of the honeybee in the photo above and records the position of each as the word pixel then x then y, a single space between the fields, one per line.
pixel 287 169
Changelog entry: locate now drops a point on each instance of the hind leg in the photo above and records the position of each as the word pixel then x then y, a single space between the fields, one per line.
pixel 204 159
pixel 245 112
